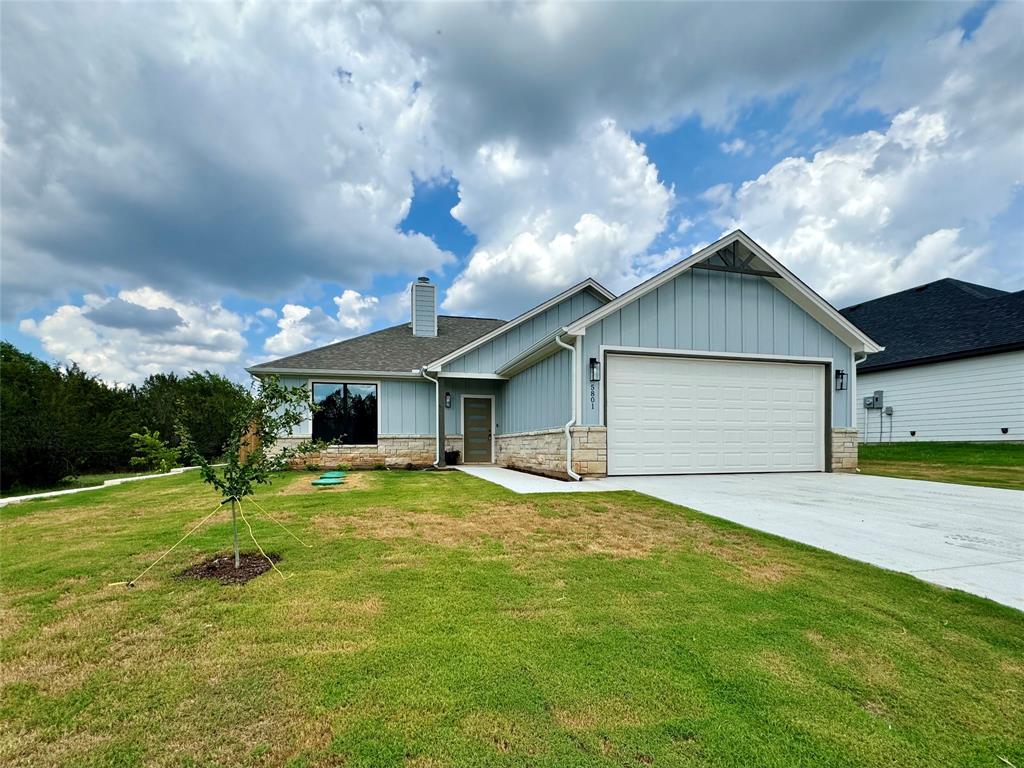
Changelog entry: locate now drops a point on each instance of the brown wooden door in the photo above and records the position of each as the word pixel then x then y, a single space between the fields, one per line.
pixel 476 430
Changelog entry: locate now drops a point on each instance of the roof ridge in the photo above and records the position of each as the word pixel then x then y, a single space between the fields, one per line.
pixel 963 285
pixel 971 288
pixel 474 317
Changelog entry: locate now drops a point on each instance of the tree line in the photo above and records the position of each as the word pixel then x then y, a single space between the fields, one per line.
pixel 57 421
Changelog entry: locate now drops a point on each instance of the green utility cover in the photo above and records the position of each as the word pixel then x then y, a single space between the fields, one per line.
pixel 334 473
pixel 329 481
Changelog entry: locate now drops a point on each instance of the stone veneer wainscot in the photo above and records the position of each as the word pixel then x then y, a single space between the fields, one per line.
pixel 396 451
pixel 844 449
pixel 543 451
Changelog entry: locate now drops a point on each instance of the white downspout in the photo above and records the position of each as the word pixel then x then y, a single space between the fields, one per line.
pixel 858 358
pixel 437 416
pixel 575 399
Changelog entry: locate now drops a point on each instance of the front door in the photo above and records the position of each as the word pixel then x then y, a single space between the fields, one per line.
pixel 476 429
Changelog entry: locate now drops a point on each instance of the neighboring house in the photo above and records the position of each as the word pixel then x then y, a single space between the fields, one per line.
pixel 725 362
pixel 953 365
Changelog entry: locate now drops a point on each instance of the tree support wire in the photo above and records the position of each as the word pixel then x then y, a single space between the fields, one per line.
pixel 281 525
pixel 253 537
pixel 236 509
pixel 165 554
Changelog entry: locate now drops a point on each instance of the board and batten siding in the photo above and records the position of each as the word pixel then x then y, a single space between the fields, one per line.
pixel 707 311
pixel 460 387
pixel 488 357
pixel 970 400
pixel 404 406
pixel 424 309
pixel 539 397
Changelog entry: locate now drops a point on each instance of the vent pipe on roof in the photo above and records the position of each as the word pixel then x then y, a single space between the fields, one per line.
pixel 424 308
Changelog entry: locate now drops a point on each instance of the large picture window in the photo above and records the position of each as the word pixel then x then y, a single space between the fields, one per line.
pixel 347 413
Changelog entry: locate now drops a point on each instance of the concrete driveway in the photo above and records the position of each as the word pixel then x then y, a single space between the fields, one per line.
pixel 955 535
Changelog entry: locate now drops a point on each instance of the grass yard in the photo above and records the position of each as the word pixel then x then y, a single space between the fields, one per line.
pixel 438 620
pixel 998 465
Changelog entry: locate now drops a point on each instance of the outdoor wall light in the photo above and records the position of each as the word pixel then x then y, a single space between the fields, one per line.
pixel 840 380
pixel 595 369
pixel 447 399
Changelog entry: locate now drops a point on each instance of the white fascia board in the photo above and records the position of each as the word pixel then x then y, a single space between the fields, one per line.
pixel 333 372
pixel 458 375
pixel 590 283
pixel 532 355
pixel 790 285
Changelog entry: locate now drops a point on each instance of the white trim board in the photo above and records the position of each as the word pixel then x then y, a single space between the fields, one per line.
pixel 540 308
pixel 334 372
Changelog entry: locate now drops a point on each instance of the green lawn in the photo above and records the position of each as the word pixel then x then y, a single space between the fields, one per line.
pixel 81 481
pixel 438 620
pixel 1000 465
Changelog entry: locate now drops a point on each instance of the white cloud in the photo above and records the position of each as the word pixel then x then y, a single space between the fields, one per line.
pixel 302 327
pixel 736 147
pixel 539 72
pixel 206 336
pixel 882 211
pixel 544 223
pixel 208 148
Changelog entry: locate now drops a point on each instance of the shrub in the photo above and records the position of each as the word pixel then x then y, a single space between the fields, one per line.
pixel 152 453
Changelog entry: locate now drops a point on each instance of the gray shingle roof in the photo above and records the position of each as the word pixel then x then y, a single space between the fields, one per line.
pixel 943 320
pixel 391 349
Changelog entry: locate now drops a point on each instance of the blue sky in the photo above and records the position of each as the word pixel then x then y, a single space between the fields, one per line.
pixel 196 186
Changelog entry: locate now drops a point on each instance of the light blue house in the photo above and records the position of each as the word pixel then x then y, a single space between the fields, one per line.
pixel 725 362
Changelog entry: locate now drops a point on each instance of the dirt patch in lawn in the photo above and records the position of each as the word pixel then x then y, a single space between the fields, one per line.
pixel 524 529
pixel 222 568
pixel 303 484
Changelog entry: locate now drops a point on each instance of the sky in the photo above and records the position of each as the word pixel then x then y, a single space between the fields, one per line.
pixel 207 186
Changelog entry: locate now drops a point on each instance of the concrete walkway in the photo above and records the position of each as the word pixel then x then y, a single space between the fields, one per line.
pixel 524 482
pixel 959 536
pixel 104 484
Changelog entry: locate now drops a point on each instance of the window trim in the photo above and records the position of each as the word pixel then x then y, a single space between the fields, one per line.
pixel 349 380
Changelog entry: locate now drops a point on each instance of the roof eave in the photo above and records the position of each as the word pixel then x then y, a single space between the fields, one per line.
pixel 280 371
pixel 850 334
pixel 590 283
pixel 544 348
pixel 944 358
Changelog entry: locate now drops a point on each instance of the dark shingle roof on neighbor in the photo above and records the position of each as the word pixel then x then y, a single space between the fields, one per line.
pixel 944 320
pixel 392 349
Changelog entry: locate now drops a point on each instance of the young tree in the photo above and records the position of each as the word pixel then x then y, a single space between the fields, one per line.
pixel 250 457
pixel 152 453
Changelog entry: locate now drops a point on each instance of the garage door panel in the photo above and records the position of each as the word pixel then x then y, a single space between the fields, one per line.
pixel 670 415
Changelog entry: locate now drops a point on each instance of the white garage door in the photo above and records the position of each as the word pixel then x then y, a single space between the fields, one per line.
pixel 672 415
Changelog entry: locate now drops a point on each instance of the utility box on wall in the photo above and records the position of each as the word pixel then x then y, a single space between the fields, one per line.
pixel 874 402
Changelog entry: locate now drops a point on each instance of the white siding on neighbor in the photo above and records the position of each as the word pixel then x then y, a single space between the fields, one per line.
pixel 487 358
pixel 707 311
pixel 970 399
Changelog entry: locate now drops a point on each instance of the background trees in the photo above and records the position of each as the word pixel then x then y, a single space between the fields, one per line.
pixel 56 422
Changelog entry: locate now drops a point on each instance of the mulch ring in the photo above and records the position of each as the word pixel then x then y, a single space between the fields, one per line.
pixel 222 568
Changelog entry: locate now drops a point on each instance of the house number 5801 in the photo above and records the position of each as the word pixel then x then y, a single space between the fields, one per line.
pixel 593 396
